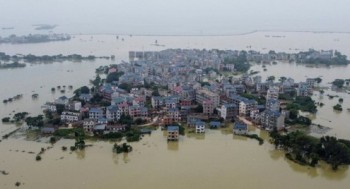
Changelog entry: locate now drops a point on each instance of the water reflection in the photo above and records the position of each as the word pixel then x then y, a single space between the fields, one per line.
pixel 80 154
pixel 126 158
pixel 237 137
pixel 198 136
pixel 328 173
pixel 173 146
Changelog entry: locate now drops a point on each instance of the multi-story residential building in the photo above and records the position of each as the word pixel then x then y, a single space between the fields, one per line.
pixel 255 116
pixel 200 127
pixel 185 102
pixel 140 101
pixel 303 89
pixel 157 101
pixel 113 113
pixel 73 106
pixel 208 107
pixel 171 103
pixel 311 82
pixel 272 120
pixel 70 116
pixel 184 111
pixel 95 113
pixel 88 125
pixel 174 115
pixel 228 111
pixel 124 108
pixel 203 95
pixel 240 89
pixel 173 133
pixel 272 93
pixel 273 105
pixel 134 111
pixel 245 106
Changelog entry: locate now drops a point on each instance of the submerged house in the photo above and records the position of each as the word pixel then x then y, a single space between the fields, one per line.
pixel 215 124
pixel 173 133
pixel 240 128
pixel 200 127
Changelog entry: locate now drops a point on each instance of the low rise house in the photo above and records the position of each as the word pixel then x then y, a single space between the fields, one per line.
pixel 173 133
pixel 240 128
pixel 100 129
pixel 48 130
pixel 63 100
pixel 215 124
pixel 74 106
pixel 102 120
pixel 171 103
pixel 51 107
pixel 70 116
pixel 89 125
pixel 114 128
pixel 85 97
pixel 200 127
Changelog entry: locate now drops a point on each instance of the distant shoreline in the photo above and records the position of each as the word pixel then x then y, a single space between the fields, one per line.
pixel 216 35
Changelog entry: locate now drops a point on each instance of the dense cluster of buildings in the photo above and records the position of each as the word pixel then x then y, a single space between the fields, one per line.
pixel 189 89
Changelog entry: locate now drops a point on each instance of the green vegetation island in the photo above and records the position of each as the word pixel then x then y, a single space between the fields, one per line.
pixel 308 150
pixel 34 38
pixel 12 65
pixel 47 58
pixel 44 26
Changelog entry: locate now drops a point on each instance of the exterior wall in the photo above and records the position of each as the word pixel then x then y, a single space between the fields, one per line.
pixel 70 116
pixel 240 131
pixel 200 129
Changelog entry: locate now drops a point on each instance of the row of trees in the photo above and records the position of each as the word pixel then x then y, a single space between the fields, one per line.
pixel 309 150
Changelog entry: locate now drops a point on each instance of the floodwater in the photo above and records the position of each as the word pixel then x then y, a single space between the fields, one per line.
pixel 217 159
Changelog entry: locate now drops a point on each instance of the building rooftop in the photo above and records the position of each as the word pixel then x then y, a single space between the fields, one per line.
pixel 173 128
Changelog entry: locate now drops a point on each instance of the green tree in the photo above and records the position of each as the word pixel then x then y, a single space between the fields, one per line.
pixel 113 77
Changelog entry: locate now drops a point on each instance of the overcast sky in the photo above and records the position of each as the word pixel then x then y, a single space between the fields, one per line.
pixel 178 16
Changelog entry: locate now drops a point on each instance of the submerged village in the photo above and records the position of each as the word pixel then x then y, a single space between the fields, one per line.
pixel 193 91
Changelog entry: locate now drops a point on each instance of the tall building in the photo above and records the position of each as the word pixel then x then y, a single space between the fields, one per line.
pixel 203 95
pixel 273 105
pixel 272 93
pixel 272 120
